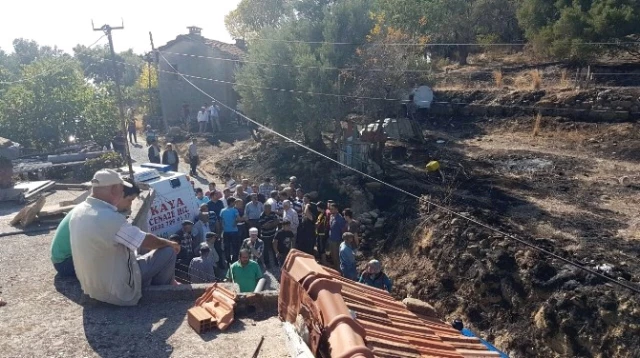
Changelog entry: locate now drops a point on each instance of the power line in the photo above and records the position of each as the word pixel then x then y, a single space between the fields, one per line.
pixel 353 69
pixel 257 87
pixel 322 68
pixel 46 71
pixel 441 44
pixel 419 198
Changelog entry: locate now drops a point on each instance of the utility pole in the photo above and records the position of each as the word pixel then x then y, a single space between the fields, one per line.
pixel 107 30
pixel 157 60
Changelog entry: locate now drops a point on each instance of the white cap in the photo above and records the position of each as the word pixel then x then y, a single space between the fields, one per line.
pixel 293 179
pixel 253 230
pixel 108 177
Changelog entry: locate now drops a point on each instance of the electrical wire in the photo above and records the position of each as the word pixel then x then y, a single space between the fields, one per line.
pixel 443 44
pixel 353 69
pixel 419 198
pixel 47 71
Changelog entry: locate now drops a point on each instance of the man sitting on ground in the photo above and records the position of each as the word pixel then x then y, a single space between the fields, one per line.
pixel 246 273
pixel 61 244
pixel 202 269
pixel 103 245
pixel 374 277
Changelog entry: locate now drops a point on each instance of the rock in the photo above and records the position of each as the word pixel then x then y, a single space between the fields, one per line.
pixel 2 302
pixel 373 186
pixel 419 307
pixel 374 214
pixel 379 224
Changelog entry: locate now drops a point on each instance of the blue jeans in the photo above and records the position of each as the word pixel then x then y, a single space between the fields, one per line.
pixel 65 268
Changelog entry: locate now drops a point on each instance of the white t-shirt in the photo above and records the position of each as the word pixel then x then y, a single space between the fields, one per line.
pixel 202 116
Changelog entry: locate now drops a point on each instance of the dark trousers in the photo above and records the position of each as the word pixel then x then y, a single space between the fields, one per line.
pixel 193 162
pixel 133 137
pixel 232 244
pixel 65 268
pixel 268 255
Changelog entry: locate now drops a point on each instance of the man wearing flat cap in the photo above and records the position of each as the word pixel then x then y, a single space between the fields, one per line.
pixel 104 245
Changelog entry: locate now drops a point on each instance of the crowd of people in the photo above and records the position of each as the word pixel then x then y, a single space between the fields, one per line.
pixel 240 231
pixel 263 223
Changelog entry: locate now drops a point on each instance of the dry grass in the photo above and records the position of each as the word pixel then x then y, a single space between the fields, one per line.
pixel 536 79
pixel 497 78
pixel 564 78
pixel 536 125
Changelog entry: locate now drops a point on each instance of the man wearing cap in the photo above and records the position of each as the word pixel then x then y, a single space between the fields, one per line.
pixel 170 157
pixel 374 277
pixel 202 269
pixel 202 118
pixel 103 245
pixel 254 245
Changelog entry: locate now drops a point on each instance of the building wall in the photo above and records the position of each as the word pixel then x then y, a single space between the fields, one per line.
pixel 174 91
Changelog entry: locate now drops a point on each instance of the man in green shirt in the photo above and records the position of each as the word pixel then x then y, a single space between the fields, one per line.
pixel 61 244
pixel 246 273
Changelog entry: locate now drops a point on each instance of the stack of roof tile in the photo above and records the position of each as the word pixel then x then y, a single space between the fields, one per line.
pixel 215 308
pixel 349 320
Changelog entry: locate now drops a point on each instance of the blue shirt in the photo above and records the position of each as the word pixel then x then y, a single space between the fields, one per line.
pixel 348 262
pixel 204 200
pixel 253 211
pixel 228 217
pixel 337 227
pixel 380 280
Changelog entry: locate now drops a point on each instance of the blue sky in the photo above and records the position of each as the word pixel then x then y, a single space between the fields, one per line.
pixel 66 23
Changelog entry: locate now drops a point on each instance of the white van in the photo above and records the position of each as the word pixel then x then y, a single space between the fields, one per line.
pixel 175 199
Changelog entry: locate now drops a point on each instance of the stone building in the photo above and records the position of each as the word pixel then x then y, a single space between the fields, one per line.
pixel 194 55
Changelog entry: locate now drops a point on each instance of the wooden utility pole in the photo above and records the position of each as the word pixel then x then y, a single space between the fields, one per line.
pixel 157 60
pixel 107 30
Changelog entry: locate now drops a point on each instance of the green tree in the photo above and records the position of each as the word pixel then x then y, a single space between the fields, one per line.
pixel 251 16
pixel 53 104
pixel 298 111
pixel 97 64
pixel 562 28
pixel 453 21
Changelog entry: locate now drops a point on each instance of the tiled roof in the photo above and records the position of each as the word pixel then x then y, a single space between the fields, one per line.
pixel 351 320
pixel 232 50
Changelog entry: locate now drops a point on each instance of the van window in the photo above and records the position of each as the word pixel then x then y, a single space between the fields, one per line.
pixel 175 183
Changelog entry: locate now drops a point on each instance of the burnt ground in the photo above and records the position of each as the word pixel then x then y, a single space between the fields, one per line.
pixel 572 189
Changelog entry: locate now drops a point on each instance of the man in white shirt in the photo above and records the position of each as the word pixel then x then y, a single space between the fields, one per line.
pixel 194 159
pixel 214 117
pixel 103 245
pixel 290 215
pixel 203 118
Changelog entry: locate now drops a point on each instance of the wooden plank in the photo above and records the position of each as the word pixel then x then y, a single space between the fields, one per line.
pixel 53 210
pixel 80 198
pixel 46 187
pixel 81 186
pixel 28 214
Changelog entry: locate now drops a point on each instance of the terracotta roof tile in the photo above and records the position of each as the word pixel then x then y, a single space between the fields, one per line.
pixel 361 321
pixel 214 308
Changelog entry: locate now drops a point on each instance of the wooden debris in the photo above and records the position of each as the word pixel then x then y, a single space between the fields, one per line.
pixel 82 186
pixel 80 198
pixel 28 214
pixel 44 187
pixel 54 210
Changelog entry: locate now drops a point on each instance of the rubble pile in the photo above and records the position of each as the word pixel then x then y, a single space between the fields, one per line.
pixel 527 303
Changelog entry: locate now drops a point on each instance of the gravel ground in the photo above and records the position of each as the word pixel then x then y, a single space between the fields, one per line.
pixel 44 317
